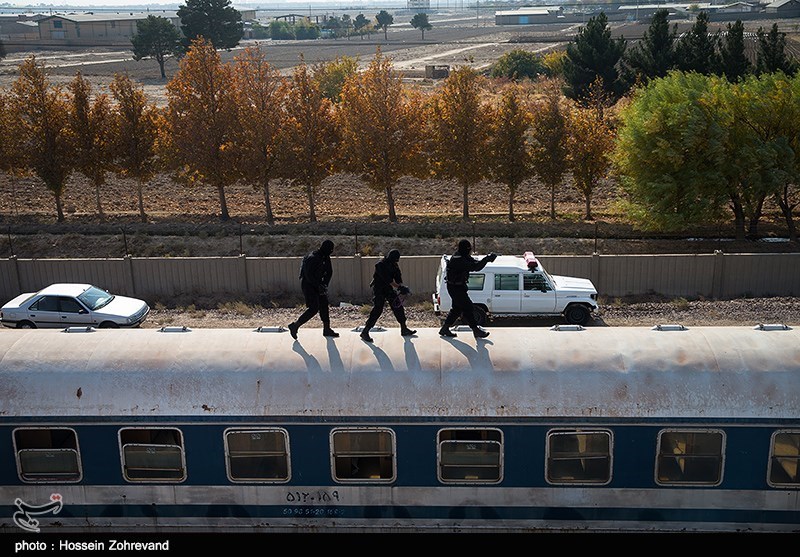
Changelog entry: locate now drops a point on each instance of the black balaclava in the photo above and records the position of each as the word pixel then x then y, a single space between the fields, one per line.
pixel 464 247
pixel 326 247
pixel 393 256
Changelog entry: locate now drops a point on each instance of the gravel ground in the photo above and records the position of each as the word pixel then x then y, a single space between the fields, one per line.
pixel 741 312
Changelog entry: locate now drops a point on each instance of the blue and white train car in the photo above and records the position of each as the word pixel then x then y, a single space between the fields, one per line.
pixel 565 429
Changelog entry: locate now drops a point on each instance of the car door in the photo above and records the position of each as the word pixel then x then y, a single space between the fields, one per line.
pixel 506 295
pixel 44 312
pixel 538 295
pixel 73 313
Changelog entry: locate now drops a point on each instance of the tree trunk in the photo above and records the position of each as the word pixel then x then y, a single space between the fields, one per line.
pixel 97 185
pixel 390 203
pixel 223 204
pixel 786 210
pixel 511 204
pixel 553 201
pixel 268 203
pixel 738 217
pixel 140 195
pixel 759 210
pixel 312 213
pixel 465 204
pixel 161 66
pixel 588 198
pixel 59 209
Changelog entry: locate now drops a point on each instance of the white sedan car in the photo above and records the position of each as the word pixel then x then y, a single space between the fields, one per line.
pixel 73 305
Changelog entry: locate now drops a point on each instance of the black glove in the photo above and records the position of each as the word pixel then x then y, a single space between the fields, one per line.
pixel 492 256
pixel 323 290
pixel 403 290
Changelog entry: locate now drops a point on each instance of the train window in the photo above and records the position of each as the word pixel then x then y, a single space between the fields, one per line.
pixel 784 461
pixel 363 455
pixel 470 455
pixel 47 455
pixel 690 457
pixel 152 454
pixel 578 457
pixel 257 455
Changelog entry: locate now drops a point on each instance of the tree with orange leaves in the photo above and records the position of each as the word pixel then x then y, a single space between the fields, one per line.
pixel 259 92
pixel 40 115
pixel 135 123
pixel 202 122
pixel 311 136
pixel 459 124
pixel 381 123
pixel 590 142
pixel 90 119
pixel 509 147
pixel 548 131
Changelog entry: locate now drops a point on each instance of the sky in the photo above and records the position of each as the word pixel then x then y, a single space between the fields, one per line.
pixel 88 4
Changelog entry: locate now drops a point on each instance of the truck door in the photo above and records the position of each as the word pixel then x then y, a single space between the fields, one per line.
pixel 538 295
pixel 506 295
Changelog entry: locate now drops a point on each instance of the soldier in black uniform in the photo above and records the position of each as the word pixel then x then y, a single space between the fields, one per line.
pixel 387 285
pixel 459 266
pixel 315 275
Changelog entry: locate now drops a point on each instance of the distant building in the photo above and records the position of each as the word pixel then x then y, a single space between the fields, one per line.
pixel 419 5
pixel 96 29
pixel 784 8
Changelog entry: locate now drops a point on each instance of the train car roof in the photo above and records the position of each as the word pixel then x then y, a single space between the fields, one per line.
pixel 624 372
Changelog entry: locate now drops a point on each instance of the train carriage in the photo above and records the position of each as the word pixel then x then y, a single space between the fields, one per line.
pixel 565 429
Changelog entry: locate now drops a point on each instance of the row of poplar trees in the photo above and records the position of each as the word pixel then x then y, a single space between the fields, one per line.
pixel 243 121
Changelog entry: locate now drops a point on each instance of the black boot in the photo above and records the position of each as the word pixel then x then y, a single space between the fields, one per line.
pixel 406 332
pixel 446 332
pixel 365 336
pixel 480 333
pixel 293 330
pixel 328 332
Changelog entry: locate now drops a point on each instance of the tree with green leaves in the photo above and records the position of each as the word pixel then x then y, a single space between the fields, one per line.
pixel 654 55
pixel 510 160
pixel 733 59
pixel 518 64
pixel 135 125
pixel 384 19
pixel 420 21
pixel 696 50
pixel 310 134
pixel 670 153
pixel 156 37
pixel 459 137
pixel 548 138
pixel 360 24
pixel 40 113
pixel 331 76
pixel 594 54
pixel 260 93
pixel 90 117
pixel 216 21
pixel 771 55
pixel 382 126
pixel 202 122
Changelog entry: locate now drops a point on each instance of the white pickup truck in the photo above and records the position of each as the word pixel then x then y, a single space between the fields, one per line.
pixel 520 286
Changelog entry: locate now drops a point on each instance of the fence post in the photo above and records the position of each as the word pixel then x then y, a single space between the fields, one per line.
pixel 358 286
pixel 594 270
pixel 718 276
pixel 243 259
pixel 131 282
pixel 17 280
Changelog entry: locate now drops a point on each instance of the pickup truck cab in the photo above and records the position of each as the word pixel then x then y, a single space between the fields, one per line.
pixel 520 286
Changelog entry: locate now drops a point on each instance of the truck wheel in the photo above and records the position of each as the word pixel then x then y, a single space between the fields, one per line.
pixel 576 314
pixel 480 316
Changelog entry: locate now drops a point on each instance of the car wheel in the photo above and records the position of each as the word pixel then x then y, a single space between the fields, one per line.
pixel 576 315
pixel 25 325
pixel 480 316
pixel 108 325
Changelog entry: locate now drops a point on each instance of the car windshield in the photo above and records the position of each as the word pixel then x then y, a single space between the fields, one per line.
pixel 94 298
